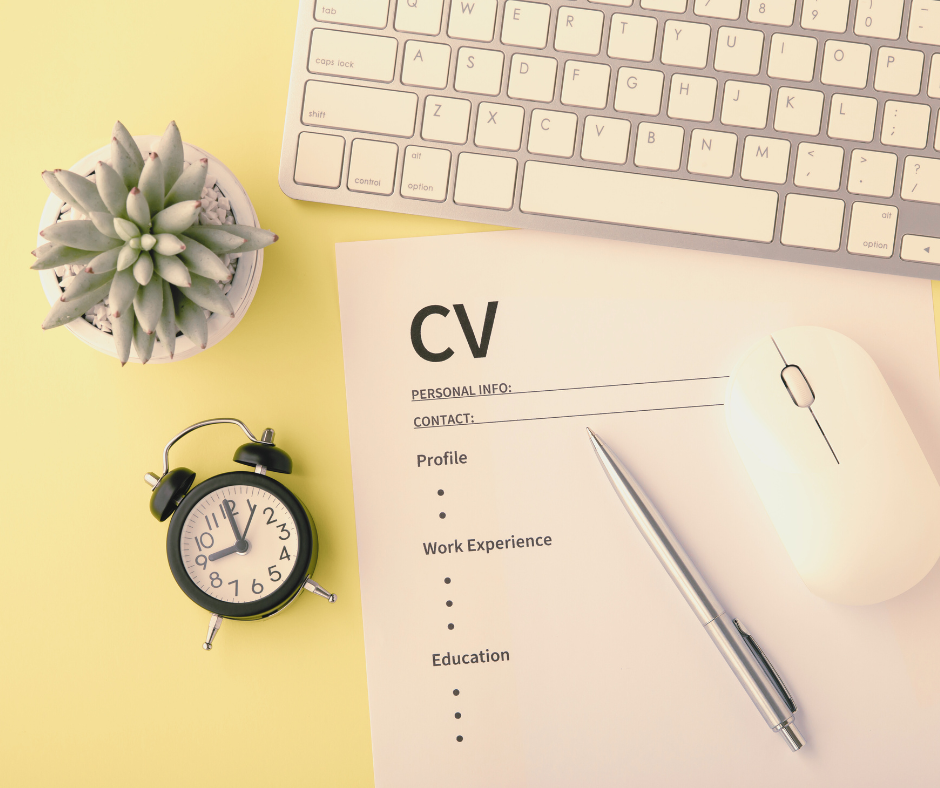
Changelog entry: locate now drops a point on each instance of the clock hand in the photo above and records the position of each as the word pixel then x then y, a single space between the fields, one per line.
pixel 235 548
pixel 230 509
pixel 250 516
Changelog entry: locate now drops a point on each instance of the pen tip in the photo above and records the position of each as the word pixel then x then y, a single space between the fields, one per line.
pixel 590 432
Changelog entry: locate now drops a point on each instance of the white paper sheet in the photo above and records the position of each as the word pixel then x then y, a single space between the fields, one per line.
pixel 605 676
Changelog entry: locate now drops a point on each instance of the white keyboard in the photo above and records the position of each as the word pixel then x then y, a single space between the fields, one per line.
pixel 800 130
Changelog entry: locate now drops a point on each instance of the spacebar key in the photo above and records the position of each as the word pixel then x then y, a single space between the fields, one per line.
pixel 649 201
pixel 337 105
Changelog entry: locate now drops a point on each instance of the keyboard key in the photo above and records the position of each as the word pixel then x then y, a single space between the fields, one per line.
pixel 712 153
pixel 473 20
pixel 921 180
pixel 479 71
pixel 359 13
pixel 685 44
pixel 425 174
pixel 879 18
pixel 792 57
pixel 372 167
pixel 745 104
pixel 924 27
pixel 872 173
pixel 579 30
pixel 627 198
pixel 352 55
pixel 621 3
pixel 585 84
pixel 852 118
pixel 718 9
pixel 771 12
pixel 526 24
pixel 798 111
pixel 933 84
pixel 905 125
pixel 319 160
pixel 830 16
pixel 739 51
pixel 532 78
pixel 632 37
pixel 765 159
pixel 692 98
pixel 605 139
pixel 872 229
pixel 552 133
pixel 446 120
pixel 812 222
pixel 921 249
pixel 658 146
pixel 419 16
pixel 818 166
pixel 485 181
pixel 499 126
pixel 845 64
pixel 899 70
pixel 639 91
pixel 425 64
pixel 674 6
pixel 340 106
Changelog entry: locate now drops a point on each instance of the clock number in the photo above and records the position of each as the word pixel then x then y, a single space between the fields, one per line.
pixel 214 523
pixel 285 534
pixel 215 580
pixel 235 583
pixel 256 587
pixel 222 507
pixel 272 571
pixel 271 517
pixel 203 562
pixel 284 554
pixel 201 541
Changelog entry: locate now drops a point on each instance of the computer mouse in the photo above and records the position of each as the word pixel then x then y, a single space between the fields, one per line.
pixel 836 465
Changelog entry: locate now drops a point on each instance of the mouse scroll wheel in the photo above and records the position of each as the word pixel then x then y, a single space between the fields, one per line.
pixel 800 391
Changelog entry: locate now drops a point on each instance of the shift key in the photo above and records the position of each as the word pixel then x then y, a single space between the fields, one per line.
pixel 335 105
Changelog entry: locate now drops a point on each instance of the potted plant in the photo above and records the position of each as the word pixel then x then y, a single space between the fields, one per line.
pixel 150 248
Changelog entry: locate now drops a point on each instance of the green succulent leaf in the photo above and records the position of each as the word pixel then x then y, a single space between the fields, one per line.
pixel 122 328
pixel 49 178
pixel 168 244
pixel 255 238
pixel 190 184
pixel 84 192
pixel 104 262
pixel 147 242
pixel 166 325
pixel 84 283
pixel 170 150
pixel 215 239
pixel 172 269
pixel 143 269
pixel 127 257
pixel 126 229
pixel 123 289
pixel 138 210
pixel 63 312
pixel 143 342
pixel 112 189
pixel 191 320
pixel 206 293
pixel 79 234
pixel 151 183
pixel 201 261
pixel 124 165
pixel 177 218
pixel 105 223
pixel 148 304
pixel 53 255
pixel 126 139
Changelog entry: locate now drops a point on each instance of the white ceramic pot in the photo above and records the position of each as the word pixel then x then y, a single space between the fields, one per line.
pixel 244 284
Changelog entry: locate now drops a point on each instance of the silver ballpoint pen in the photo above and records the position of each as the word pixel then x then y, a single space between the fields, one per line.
pixel 745 658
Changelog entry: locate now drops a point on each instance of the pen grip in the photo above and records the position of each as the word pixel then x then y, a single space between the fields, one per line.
pixel 757 684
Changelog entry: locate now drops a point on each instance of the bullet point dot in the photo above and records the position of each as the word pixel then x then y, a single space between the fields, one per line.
pixel 460 738
pixel 450 626
pixel 449 603
pixel 443 515
pixel 456 692
pixel 446 579
pixel 457 716
pixel 440 492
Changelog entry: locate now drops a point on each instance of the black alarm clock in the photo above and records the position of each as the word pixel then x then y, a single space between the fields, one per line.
pixel 240 544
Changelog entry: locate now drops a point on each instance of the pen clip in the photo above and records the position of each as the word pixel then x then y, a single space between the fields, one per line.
pixel 768 667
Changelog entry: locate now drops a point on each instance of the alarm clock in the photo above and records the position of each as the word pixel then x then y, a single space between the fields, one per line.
pixel 240 544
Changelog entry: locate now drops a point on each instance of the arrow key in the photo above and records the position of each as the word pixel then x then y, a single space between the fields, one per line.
pixel 921 249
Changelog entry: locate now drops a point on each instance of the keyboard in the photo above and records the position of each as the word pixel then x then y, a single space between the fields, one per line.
pixel 801 130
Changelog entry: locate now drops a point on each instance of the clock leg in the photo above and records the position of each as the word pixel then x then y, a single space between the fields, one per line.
pixel 215 624
pixel 315 588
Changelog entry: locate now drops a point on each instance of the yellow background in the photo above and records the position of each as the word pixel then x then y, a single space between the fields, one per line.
pixel 102 678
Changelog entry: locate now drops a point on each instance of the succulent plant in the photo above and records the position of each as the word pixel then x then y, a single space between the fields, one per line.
pixel 141 246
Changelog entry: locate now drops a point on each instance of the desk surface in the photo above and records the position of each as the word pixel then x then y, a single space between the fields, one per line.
pixel 101 672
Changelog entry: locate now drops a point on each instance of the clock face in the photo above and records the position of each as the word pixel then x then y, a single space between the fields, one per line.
pixel 239 544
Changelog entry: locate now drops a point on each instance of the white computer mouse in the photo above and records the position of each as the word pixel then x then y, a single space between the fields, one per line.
pixel 836 465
